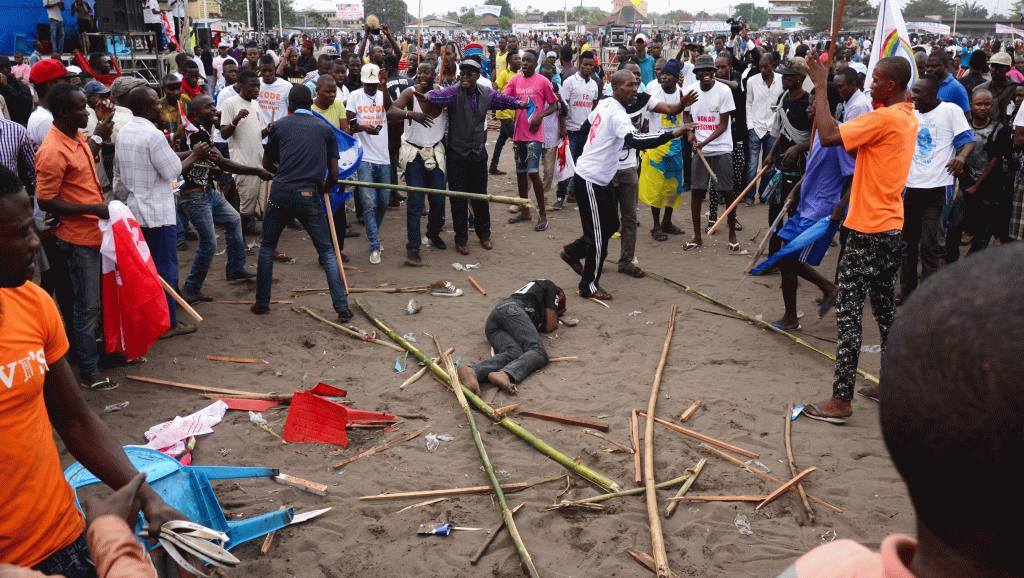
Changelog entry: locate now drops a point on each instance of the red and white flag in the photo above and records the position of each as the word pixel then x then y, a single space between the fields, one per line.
pixel 135 310
pixel 564 167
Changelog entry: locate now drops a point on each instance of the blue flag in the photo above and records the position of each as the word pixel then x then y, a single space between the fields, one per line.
pixel 803 245
pixel 350 155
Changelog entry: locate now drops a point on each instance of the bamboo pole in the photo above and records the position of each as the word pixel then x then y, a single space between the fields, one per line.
pixel 476 285
pixel 346 330
pixel 785 488
pixel 378 448
pixel 792 465
pixel 706 439
pixel 508 487
pixel 635 440
pixel 237 359
pixel 506 512
pixel 464 195
pixel 688 474
pixel 598 435
pixel 737 201
pixel 475 559
pixel 766 476
pixel 415 377
pixel 653 519
pixel 567 419
pixel 644 559
pixel 688 413
pixel 760 322
pixel 711 174
pixel 334 241
pixel 599 480
pixel 179 300
pixel 567 358
pixel 694 471
pixel 209 389
pixel 719 498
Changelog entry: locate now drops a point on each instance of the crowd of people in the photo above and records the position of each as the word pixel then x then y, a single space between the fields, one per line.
pixel 249 140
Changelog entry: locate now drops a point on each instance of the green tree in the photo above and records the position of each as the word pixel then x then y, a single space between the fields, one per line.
pixel 390 12
pixel 818 15
pixel 916 9
pixel 973 10
pixel 236 10
pixel 314 19
pixel 756 16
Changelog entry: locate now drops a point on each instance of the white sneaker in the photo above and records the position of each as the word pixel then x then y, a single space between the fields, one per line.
pixel 375 257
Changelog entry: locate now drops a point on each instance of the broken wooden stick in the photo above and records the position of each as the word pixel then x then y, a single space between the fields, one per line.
pixel 792 465
pixel 304 485
pixel 476 285
pixel 765 475
pixel 688 412
pixel 785 487
pixel 415 377
pixel 244 302
pixel 621 494
pixel 719 499
pixel 653 518
pixel 705 439
pixel 265 548
pixel 490 539
pixel 644 559
pixel 507 487
pixel 378 448
pixel 237 359
pixel 599 302
pixel 421 504
pixel 635 440
pixel 505 410
pixel 180 300
pixel 567 419
pixel 348 331
pixel 694 472
pixel 557 359
pixel 210 389
pixel 621 446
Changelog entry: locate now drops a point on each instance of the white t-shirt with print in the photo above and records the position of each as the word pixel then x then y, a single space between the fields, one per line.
pixel 580 95
pixel 609 125
pixel 370 111
pixel 707 112
pixel 936 130
pixel 273 99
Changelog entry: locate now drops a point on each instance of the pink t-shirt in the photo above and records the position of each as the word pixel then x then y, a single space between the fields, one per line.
pixel 848 559
pixel 538 89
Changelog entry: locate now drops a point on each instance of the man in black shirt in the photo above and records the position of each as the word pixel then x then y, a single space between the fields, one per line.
pixel 304 152
pixel 513 329
pixel 791 131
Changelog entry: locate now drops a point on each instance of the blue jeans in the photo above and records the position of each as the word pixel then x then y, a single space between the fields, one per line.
pixel 577 138
pixel 86 276
pixel 528 155
pixel 205 208
pixel 162 243
pixel 416 175
pixel 375 201
pixel 755 145
pixel 57 36
pixel 308 208
pixel 182 217
pixel 518 347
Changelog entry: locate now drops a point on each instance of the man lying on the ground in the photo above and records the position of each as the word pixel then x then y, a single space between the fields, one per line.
pixel 513 329
pixel 40 527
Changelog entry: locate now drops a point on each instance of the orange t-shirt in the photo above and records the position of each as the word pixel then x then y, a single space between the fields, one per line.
pixel 884 139
pixel 65 171
pixel 37 506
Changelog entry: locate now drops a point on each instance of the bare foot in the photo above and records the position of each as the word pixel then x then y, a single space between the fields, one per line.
pixel 468 378
pixel 503 381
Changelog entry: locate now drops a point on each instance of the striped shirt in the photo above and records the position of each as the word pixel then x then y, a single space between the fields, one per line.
pixel 148 168
pixel 16 151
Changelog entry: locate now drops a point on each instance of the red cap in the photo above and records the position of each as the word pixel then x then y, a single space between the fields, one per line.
pixel 46 70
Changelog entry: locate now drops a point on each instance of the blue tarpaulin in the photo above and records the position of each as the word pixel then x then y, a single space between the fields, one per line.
pixel 20 18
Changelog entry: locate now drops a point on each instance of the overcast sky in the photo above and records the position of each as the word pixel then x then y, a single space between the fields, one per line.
pixel 441 6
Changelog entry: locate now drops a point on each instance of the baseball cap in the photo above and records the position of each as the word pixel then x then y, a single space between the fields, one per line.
pixel 95 87
pixel 640 38
pixel 1001 58
pixel 551 54
pixel 370 74
pixel 796 65
pixel 74 70
pixel 46 70
pixel 704 62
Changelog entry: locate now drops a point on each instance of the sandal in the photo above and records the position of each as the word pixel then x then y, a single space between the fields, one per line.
pixel 518 219
pixel 869 393
pixel 692 245
pixel 814 411
pixel 671 229
pixel 541 226
pixel 600 295
pixel 778 325
pixel 734 246
pixel 658 234
pixel 98 383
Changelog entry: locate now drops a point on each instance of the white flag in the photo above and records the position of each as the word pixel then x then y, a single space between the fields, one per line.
pixel 487 9
pixel 891 39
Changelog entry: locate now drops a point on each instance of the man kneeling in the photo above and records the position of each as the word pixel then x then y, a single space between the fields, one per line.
pixel 513 329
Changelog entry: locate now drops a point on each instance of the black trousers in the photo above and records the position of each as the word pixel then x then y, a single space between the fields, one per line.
pixel 599 217
pixel 469 176
pixel 922 211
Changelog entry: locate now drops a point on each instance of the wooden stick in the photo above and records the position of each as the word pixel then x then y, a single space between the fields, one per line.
pixel 567 419
pixel 792 465
pixel 630 492
pixel 719 499
pixel 775 224
pixel 635 440
pixel 735 203
pixel 765 475
pixel 503 411
pixel 243 302
pixel 507 487
pixel 237 359
pixel 688 413
pixel 506 512
pixel 378 448
pixel 711 173
pixel 705 439
pixel 694 471
pixel 473 282
pixel 304 485
pixel 490 539
pixel 653 518
pixel 346 330
pixel 644 559
pixel 460 194
pixel 210 389
pixel 623 447
pixel 265 548
pixel 785 487
pixel 415 377
pixel 599 302
pixel 334 240
pixel 421 504
pixel 179 300
pixel 557 359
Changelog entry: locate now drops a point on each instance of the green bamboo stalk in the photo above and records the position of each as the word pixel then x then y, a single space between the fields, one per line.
pixel 683 479
pixel 604 483
pixel 760 322
pixel 506 513
pixel 462 194
pixel 694 472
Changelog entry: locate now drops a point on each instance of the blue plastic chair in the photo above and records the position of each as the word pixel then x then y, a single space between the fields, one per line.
pixel 188 489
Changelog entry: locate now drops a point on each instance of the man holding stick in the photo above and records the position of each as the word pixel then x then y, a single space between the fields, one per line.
pixel 513 329
pixel 884 140
pixel 304 153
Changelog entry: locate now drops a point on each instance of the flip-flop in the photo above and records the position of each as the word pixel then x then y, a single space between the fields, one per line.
pixel 780 326
pixel 819 415
pixel 825 304
pixel 866 392
pixel 734 246
pixel 691 245
pixel 518 219
pixel 541 226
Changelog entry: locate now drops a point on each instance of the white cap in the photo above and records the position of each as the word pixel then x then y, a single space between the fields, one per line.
pixel 551 54
pixel 74 70
pixel 370 74
pixel 640 38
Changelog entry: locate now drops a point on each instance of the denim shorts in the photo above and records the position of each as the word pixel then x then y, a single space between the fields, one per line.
pixel 528 156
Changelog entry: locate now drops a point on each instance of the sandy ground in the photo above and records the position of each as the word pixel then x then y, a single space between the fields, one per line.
pixel 744 376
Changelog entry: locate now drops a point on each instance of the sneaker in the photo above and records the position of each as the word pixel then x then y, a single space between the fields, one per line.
pixel 559 205
pixel 412 259
pixel 242 274
pixel 345 316
pixel 448 290
pixel 375 257
pixel 495 171
pixel 351 233
pixel 197 297
pixel 437 243
pixel 631 270
pixel 180 328
pixel 259 309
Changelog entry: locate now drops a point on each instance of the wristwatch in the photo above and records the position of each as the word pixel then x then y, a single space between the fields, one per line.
pixel 96 139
